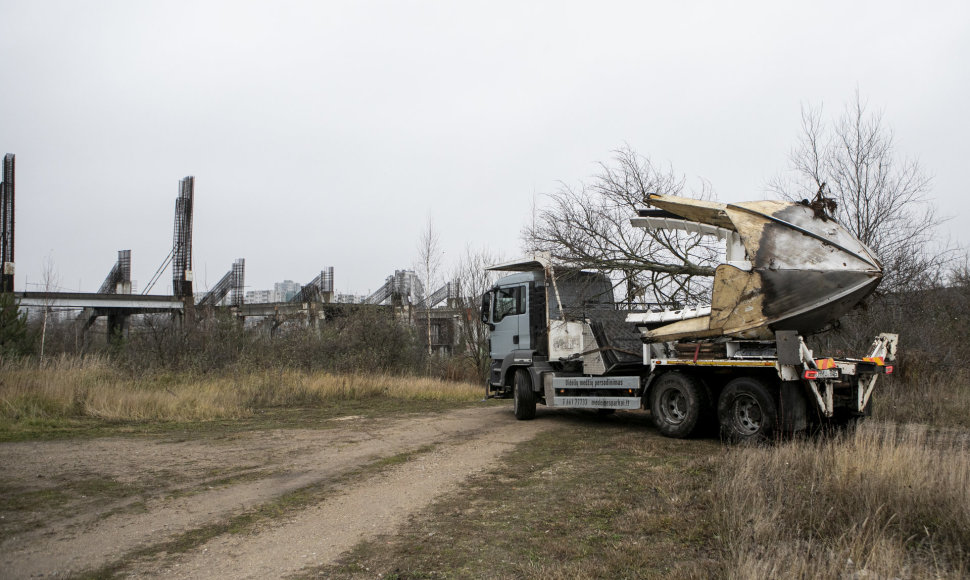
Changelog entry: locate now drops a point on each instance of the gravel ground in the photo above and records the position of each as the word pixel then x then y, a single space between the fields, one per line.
pixel 160 488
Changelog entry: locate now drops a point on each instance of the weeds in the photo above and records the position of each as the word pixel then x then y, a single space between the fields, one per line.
pixel 925 396
pixel 890 501
pixel 70 388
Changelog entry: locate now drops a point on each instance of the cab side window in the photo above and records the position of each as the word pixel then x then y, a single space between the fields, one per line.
pixel 508 301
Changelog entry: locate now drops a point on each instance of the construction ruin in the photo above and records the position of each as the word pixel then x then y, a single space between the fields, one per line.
pixel 314 303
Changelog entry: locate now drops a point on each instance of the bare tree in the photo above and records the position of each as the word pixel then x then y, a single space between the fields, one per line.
pixel 473 281
pixel 882 198
pixel 429 262
pixel 50 282
pixel 589 227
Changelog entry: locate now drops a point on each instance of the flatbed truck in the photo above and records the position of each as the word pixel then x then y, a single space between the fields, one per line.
pixel 558 338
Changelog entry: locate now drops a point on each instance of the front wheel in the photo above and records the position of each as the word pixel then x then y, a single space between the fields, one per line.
pixel 747 411
pixel 677 404
pixel 523 397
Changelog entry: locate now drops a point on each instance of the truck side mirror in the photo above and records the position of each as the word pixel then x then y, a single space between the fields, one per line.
pixel 486 303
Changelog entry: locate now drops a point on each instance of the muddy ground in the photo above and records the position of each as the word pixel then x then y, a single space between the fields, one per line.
pixel 139 505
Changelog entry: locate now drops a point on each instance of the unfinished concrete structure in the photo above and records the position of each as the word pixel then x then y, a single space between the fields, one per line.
pixel 118 280
pixel 320 289
pixel 313 304
pixel 231 285
pixel 7 189
pixel 403 288
pixel 182 242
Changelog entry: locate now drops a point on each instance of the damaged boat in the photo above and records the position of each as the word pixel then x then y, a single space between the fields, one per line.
pixel 788 266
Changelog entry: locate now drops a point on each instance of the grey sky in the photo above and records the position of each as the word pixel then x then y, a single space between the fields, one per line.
pixel 325 133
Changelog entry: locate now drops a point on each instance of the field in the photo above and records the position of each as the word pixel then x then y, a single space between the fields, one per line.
pixel 321 475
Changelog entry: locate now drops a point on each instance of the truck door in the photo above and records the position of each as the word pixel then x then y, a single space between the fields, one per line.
pixel 510 321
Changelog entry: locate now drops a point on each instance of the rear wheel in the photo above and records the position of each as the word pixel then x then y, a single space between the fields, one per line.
pixel 523 397
pixel 747 411
pixel 677 403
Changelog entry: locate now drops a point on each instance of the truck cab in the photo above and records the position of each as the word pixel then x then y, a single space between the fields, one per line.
pixel 549 332
pixel 508 310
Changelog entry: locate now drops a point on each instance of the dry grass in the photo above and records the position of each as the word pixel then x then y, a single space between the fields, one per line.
pixel 610 498
pixel 884 501
pixel 71 387
pixel 925 394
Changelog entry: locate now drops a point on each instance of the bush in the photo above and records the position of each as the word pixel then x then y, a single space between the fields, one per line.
pixel 365 339
pixel 15 340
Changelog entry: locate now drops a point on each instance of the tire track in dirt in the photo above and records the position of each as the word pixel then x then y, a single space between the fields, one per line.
pixel 469 440
pixel 316 536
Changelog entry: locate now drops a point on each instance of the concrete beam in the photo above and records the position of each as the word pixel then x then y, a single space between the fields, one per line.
pixel 94 300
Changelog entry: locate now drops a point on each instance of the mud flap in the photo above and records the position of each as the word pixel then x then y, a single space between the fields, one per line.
pixel 792 407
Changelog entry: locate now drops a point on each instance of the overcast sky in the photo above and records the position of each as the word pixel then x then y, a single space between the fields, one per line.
pixel 326 133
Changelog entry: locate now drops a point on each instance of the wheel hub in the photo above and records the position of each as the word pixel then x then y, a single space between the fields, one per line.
pixel 674 405
pixel 747 414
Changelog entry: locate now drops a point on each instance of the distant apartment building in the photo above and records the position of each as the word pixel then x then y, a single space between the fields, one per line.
pixel 350 298
pixel 259 296
pixel 283 291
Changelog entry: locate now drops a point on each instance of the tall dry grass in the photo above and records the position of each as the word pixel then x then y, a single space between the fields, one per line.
pixel 883 501
pixel 926 395
pixel 92 387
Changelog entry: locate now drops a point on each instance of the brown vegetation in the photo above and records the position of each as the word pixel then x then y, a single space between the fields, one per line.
pixel 69 387
pixel 890 501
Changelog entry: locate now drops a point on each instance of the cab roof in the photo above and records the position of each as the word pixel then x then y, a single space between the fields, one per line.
pixel 536 262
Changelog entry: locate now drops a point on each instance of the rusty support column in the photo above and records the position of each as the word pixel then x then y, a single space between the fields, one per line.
pixel 7 223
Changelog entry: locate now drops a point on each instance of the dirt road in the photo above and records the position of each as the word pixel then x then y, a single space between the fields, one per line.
pixel 128 502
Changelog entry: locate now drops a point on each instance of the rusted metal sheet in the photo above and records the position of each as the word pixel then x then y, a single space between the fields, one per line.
pixel 805 270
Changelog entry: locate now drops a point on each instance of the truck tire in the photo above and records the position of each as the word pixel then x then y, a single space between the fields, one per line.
pixel 747 411
pixel 677 403
pixel 523 397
